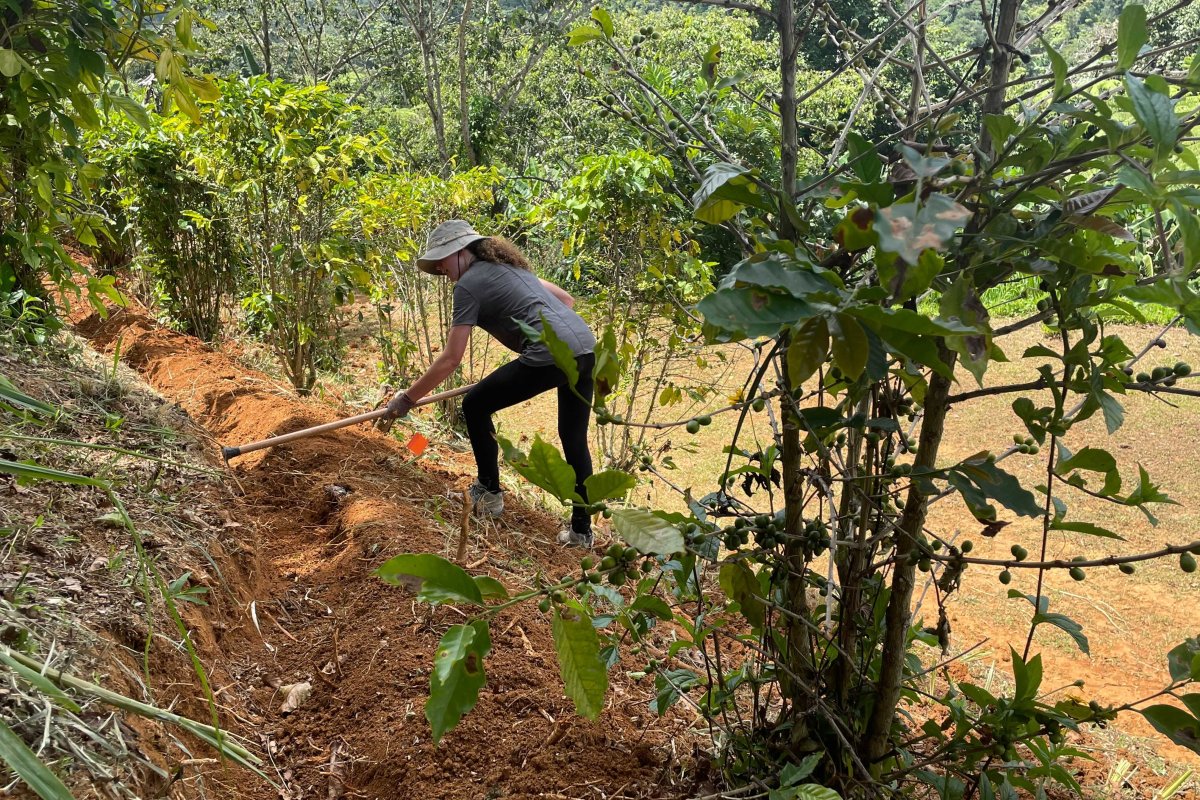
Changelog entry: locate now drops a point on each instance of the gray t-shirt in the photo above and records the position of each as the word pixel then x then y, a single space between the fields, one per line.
pixel 491 295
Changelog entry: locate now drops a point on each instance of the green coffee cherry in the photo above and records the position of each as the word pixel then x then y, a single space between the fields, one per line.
pixel 1127 569
pixel 1019 553
pixel 1006 577
pixel 1187 562
pixel 1077 573
pixel 586 563
pixel 693 426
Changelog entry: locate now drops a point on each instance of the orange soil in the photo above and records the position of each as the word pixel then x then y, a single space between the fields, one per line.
pixel 303 571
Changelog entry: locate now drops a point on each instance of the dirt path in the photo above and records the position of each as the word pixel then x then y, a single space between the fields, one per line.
pixel 317 517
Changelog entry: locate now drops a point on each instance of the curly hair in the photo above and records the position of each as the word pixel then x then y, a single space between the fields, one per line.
pixel 499 251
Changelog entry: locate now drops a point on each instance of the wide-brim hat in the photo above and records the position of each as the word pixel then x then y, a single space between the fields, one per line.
pixel 446 239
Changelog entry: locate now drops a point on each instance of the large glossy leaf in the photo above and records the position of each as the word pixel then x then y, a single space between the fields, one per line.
pixel 885 320
pixel 752 311
pixel 863 159
pixel 608 485
pixel 980 480
pixel 457 675
pixel 740 585
pixel 584 675
pixel 647 532
pixel 26 766
pixel 724 191
pixel 807 350
pixel 544 467
pixel 1094 460
pixel 1176 724
pixel 1131 34
pixel 849 344
pixel 583 34
pixel 1183 662
pixel 434 578
pixel 1156 112
pixel 604 19
pixel 776 271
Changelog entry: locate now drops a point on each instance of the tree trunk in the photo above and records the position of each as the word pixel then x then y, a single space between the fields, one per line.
pixel 877 739
pixel 463 108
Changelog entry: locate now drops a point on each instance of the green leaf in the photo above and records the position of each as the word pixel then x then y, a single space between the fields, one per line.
pixel 1058 66
pixel 1176 724
pixel 740 585
pixel 1000 127
pixel 10 63
pixel 980 478
pixel 544 467
pixel 862 158
pixel 1094 460
pixel 752 311
pixel 647 532
pixel 40 682
pixel 668 684
pixel 812 791
pixel 652 605
pixel 132 109
pixel 605 19
pixel 457 675
pixel 724 191
pixel 849 345
pixel 884 320
pixel 490 587
pixel 583 34
pixel 1131 34
pixel 791 774
pixel 777 271
pixel 32 472
pixel 564 358
pixel 807 350
pixel 1147 492
pixel 434 578
pixel 1085 527
pixel 1028 676
pixel 26 766
pixel 1183 662
pixel 578 648
pixel 1065 624
pixel 1156 113
pixel 609 484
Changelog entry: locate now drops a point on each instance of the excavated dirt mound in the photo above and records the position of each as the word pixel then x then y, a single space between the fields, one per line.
pixel 318 516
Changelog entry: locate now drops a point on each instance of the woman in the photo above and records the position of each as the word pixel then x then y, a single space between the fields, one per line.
pixel 493 288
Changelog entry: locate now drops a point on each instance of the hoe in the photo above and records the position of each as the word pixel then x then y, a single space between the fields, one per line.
pixel 234 452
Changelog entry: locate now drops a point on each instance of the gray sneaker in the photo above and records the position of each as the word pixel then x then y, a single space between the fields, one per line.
pixel 490 504
pixel 571 538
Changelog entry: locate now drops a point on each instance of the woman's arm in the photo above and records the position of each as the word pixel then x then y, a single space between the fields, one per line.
pixel 558 292
pixel 447 361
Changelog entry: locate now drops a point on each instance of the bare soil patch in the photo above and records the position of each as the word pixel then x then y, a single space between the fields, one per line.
pixel 310 610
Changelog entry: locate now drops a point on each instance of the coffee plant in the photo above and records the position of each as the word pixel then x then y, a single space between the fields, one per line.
pixel 863 290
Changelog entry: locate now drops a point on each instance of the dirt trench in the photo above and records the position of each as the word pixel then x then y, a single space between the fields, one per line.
pixel 317 517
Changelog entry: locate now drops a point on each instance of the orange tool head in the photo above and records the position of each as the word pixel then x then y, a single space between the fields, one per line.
pixel 417 444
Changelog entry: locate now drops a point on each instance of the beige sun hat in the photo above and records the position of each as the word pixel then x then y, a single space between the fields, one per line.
pixel 446 239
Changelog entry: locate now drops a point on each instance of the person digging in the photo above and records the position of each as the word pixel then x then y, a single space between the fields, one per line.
pixel 494 288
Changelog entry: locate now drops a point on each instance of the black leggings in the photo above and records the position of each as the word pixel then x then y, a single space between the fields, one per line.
pixel 515 383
